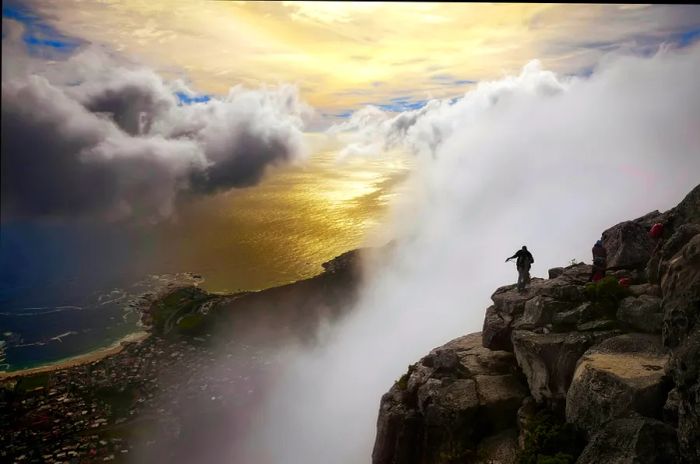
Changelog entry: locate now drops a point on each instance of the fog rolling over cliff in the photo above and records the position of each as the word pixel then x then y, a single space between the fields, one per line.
pixel 536 159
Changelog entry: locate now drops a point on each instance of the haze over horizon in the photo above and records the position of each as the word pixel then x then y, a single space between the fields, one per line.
pixel 249 142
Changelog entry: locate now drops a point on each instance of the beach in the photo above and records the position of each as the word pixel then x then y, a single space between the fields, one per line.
pixel 86 358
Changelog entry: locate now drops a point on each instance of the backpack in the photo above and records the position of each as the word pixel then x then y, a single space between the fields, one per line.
pixel 524 260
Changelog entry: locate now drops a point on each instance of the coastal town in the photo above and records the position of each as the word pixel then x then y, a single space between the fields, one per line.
pixel 128 404
pixel 191 382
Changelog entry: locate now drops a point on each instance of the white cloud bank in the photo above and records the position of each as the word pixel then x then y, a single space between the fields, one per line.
pixel 533 159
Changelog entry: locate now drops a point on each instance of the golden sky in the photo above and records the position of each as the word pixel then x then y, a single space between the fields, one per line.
pixel 345 55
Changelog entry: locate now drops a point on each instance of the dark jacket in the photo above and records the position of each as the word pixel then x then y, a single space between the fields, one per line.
pixel 524 258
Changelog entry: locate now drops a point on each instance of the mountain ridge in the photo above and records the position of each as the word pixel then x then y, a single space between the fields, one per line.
pixel 568 371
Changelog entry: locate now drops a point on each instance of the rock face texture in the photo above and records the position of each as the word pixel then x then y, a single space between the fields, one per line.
pixel 618 377
pixel 642 313
pixel 459 402
pixel 630 244
pixel 568 371
pixel 635 440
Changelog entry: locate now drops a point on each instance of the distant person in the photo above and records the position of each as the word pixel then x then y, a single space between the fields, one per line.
pixel 657 233
pixel 600 262
pixel 523 264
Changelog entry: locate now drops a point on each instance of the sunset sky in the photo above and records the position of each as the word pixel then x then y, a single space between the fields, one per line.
pixel 343 56
pixel 249 143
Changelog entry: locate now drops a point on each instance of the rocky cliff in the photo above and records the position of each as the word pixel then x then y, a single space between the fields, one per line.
pixel 568 371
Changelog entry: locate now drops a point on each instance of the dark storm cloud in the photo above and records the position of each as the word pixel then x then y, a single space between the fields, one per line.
pixel 94 136
pixel 59 159
pixel 132 105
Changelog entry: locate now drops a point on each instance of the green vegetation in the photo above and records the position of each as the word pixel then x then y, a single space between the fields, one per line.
pixel 32 382
pixel 606 294
pixel 191 324
pixel 178 310
pixel 549 440
pixel 402 383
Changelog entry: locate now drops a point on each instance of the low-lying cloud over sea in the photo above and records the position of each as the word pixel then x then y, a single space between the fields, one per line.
pixel 535 159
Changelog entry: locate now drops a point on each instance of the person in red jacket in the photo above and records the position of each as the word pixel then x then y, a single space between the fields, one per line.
pixel 600 262
pixel 657 233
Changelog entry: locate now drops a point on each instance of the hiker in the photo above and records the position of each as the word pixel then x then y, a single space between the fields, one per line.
pixel 600 262
pixel 523 263
pixel 657 233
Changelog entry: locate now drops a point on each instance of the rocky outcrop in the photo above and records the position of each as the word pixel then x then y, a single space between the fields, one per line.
pixel 458 402
pixel 628 245
pixel 568 371
pixel 497 330
pixel 688 210
pixel 685 371
pixel 680 286
pixel 635 440
pixel 642 313
pixel 620 376
pixel 548 361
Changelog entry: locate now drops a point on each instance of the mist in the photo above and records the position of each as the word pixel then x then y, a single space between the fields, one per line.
pixel 536 159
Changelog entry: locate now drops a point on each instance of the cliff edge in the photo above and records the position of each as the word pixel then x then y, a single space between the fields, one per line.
pixel 568 371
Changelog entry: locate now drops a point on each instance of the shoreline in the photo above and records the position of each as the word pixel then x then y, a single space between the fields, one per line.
pixel 86 358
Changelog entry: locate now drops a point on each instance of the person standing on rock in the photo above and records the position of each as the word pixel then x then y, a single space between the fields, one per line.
pixel 600 262
pixel 523 264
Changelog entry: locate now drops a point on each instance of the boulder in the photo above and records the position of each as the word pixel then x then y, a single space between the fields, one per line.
pixel 496 331
pixel 634 440
pixel 680 286
pixel 645 289
pixel 563 289
pixel 597 325
pixel 548 361
pixel 641 314
pixel 620 376
pixel 628 245
pixel 508 300
pixel 448 403
pixel 555 272
pixel 659 262
pixel 540 310
pixel 651 218
pixel 567 320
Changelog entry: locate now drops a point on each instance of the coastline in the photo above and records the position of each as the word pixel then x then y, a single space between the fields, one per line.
pixel 87 358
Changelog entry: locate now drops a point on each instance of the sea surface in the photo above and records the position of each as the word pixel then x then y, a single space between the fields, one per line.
pixel 70 287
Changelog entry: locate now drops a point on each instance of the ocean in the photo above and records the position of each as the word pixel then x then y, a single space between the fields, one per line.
pixel 71 287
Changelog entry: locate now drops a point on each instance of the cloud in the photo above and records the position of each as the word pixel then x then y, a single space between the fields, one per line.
pixel 96 136
pixel 424 129
pixel 534 159
pixel 60 159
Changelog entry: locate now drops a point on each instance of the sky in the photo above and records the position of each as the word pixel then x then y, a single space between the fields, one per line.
pixel 141 106
pixel 344 55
